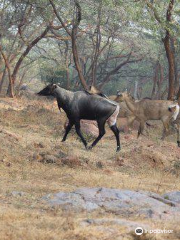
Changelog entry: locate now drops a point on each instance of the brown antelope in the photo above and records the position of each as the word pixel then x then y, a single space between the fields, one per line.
pixel 176 124
pixel 124 111
pixel 145 109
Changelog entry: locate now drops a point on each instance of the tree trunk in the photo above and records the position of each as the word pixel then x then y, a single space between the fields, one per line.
pixel 67 65
pixel 6 62
pixel 2 79
pixel 170 57
pixel 169 52
pixel 178 95
pixel 97 46
pixel 160 81
pixel 155 81
pixel 67 77
pixel 173 46
pixel 20 83
pixel 25 53
pixel 136 90
pixel 74 46
pixel 76 61
pixel 167 45
pixel 164 93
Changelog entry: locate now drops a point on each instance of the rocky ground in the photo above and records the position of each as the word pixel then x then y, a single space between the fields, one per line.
pixel 54 190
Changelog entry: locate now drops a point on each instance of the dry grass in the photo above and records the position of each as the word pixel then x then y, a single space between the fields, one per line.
pixel 30 128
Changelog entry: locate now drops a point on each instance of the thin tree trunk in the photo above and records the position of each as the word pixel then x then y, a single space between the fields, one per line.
pixel 20 82
pixel 74 45
pixel 76 61
pixel 164 93
pixel 116 69
pixel 170 57
pixel 25 53
pixel 67 65
pixel 178 94
pixel 136 90
pixel 169 52
pixel 167 44
pixel 11 86
pixel 73 35
pixel 176 83
pixel 97 45
pixel 19 62
pixel 2 79
pixel 160 81
pixel 155 80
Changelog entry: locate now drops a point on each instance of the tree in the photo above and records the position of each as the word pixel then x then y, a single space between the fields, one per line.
pixel 166 26
pixel 22 40
pixel 73 34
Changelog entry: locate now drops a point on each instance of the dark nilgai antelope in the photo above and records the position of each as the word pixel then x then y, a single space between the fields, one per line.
pixel 84 105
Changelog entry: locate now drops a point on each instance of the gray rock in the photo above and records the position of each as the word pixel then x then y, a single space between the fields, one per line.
pixel 122 202
pixel 172 196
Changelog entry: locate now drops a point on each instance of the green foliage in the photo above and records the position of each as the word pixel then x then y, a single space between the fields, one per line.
pixel 50 75
pixel 129 26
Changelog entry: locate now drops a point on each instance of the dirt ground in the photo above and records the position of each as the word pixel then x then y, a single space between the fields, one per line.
pixel 34 162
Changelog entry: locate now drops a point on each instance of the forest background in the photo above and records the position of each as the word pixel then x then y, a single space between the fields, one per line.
pixel 111 44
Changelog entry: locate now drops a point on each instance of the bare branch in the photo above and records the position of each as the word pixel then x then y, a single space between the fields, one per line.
pixel 59 18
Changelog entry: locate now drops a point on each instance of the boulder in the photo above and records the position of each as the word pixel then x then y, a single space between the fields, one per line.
pixel 88 127
pixel 126 203
pixel 173 196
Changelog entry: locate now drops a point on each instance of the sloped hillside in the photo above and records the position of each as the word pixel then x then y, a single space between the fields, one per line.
pixel 34 163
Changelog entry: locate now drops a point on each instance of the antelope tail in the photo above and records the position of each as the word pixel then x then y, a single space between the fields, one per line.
pixel 174 108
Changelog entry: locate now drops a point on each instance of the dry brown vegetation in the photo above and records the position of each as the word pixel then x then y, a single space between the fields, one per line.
pixel 34 162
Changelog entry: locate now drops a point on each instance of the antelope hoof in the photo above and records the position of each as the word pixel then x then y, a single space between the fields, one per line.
pixel 178 143
pixel 89 147
pixel 118 149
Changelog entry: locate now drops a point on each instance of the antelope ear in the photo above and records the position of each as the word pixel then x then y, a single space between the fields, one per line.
pixel 54 86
